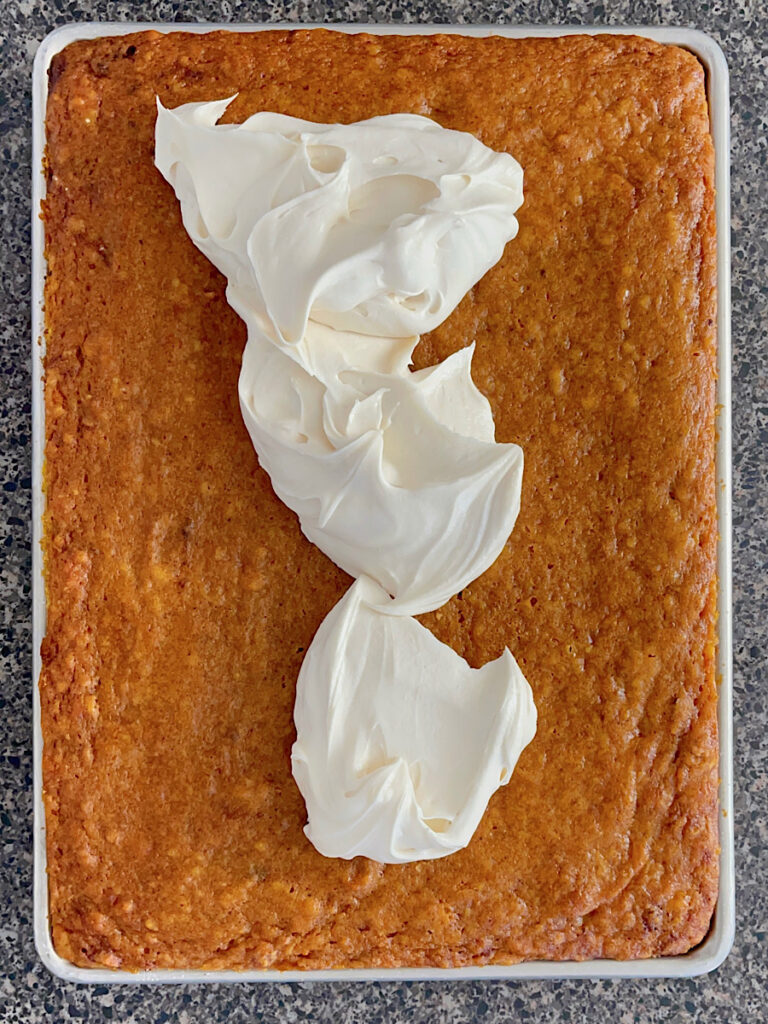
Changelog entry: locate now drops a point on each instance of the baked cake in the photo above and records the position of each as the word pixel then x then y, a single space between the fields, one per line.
pixel 182 595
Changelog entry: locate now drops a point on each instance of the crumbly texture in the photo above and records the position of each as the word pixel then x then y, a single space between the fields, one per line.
pixel 182 594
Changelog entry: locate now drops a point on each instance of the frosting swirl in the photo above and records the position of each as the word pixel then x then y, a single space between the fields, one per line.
pixel 407 759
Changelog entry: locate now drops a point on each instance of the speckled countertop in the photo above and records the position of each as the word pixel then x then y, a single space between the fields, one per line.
pixel 738 991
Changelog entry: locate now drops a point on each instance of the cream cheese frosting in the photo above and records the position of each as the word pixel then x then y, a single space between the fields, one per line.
pixel 341 244
pixel 413 739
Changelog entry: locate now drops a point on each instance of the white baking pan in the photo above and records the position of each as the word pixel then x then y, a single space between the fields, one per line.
pixel 711 953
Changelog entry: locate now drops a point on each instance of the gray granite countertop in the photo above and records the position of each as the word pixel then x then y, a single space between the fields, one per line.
pixel 738 991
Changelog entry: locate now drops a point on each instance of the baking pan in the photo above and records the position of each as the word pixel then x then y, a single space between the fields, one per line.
pixel 709 954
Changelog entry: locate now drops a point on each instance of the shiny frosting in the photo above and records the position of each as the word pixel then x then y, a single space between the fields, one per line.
pixel 341 244
pixel 412 743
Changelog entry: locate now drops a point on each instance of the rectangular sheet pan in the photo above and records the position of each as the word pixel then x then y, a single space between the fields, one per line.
pixel 711 953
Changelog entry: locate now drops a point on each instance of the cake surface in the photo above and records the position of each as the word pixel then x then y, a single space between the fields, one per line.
pixel 182 594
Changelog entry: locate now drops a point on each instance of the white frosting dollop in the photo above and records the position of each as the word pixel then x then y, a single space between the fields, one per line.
pixel 413 742
pixel 341 244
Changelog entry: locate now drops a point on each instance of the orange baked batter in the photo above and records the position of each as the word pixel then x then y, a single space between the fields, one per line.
pixel 182 594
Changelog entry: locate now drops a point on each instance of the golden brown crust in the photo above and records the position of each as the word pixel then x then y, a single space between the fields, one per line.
pixel 181 593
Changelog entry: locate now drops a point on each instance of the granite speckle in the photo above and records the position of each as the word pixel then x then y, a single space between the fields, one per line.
pixel 738 991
